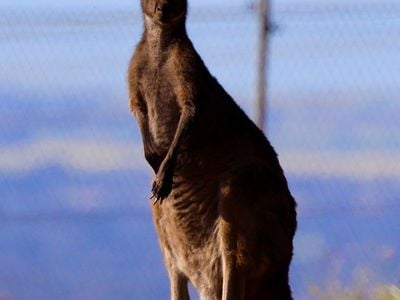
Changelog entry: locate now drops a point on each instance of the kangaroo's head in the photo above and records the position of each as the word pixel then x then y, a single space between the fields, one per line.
pixel 165 12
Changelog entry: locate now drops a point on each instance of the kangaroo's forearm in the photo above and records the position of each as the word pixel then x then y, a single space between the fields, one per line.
pixel 150 150
pixel 187 116
pixel 162 186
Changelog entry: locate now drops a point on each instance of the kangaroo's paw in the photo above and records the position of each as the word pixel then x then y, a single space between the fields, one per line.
pixel 162 186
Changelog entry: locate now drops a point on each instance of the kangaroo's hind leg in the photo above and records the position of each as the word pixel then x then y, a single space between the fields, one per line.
pixel 178 285
pixel 233 275
pixel 233 235
pixel 254 240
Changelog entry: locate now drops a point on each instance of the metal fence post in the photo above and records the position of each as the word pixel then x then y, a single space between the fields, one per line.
pixel 262 103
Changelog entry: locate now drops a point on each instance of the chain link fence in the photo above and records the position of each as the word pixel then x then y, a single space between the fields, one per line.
pixel 74 186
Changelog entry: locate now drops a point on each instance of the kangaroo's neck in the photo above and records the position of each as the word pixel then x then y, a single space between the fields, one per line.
pixel 160 38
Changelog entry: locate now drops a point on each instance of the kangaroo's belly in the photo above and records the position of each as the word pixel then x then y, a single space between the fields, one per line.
pixel 187 226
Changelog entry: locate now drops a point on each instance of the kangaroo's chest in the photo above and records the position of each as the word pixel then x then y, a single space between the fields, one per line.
pixel 162 109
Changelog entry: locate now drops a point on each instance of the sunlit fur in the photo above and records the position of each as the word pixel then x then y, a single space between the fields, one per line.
pixel 224 215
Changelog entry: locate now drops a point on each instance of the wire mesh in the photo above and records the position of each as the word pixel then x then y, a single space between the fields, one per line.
pixel 74 209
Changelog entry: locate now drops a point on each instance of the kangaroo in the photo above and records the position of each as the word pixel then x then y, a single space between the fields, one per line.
pixel 222 209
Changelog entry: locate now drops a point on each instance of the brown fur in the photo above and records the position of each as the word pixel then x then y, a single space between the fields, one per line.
pixel 224 215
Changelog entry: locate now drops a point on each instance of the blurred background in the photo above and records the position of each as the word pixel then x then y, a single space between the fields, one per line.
pixel 75 218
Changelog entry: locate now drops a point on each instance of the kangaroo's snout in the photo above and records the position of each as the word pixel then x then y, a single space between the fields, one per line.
pixel 163 9
pixel 165 12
